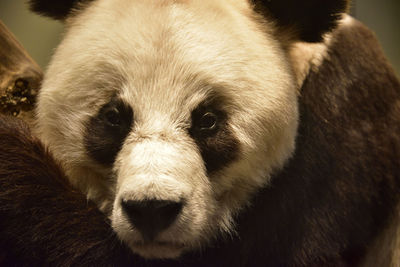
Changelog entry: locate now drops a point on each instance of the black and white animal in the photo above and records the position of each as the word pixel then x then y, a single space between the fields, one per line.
pixel 180 120
pixel 169 115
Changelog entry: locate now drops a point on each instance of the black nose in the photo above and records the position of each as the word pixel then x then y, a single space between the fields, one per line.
pixel 150 217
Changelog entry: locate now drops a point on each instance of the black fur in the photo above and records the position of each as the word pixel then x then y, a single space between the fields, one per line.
pixel 43 220
pixel 106 132
pixel 59 9
pixel 218 146
pixel 310 19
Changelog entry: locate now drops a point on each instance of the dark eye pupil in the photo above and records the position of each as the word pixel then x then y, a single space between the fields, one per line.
pixel 112 117
pixel 208 121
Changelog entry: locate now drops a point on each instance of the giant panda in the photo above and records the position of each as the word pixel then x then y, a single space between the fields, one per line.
pixel 210 133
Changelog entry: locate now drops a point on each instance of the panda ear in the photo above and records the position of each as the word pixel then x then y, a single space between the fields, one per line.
pixel 59 9
pixel 310 19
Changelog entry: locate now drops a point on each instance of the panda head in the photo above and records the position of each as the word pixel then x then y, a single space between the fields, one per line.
pixel 171 114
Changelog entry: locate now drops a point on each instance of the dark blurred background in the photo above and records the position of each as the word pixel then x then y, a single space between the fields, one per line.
pixel 40 35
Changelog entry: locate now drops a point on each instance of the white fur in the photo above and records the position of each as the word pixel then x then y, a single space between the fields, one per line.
pixel 163 58
pixel 308 56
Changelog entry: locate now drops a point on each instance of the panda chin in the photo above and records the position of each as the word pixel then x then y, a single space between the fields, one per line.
pixel 158 250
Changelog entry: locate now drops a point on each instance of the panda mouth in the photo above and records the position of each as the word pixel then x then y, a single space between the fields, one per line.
pixel 158 249
pixel 159 244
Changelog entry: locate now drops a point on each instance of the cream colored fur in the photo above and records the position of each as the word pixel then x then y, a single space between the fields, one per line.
pixel 164 58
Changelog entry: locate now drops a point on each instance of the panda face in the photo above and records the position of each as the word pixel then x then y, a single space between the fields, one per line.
pixel 169 115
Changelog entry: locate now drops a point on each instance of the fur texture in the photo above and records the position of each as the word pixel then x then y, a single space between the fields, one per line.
pixel 309 19
pixel 339 191
pixel 327 206
pixel 40 211
pixel 171 62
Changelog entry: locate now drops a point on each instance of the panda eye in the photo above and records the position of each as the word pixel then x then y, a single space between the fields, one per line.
pixel 205 123
pixel 112 117
pixel 208 121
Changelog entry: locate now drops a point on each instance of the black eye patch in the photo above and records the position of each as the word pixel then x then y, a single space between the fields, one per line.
pixel 209 128
pixel 107 130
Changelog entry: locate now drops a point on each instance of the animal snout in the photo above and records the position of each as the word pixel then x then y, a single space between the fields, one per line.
pixel 150 217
